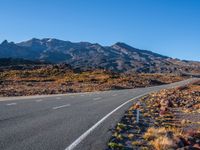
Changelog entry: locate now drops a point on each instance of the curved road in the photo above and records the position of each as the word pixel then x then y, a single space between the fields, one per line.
pixel 64 122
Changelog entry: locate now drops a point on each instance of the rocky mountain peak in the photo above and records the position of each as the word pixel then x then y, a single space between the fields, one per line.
pixel 5 42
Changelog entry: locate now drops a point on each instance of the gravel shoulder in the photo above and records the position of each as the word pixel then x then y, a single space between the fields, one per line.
pixel 169 119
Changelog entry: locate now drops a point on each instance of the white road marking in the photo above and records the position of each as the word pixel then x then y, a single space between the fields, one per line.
pixel 84 135
pixel 10 104
pixel 58 97
pixel 39 100
pixel 96 98
pixel 114 95
pixel 57 107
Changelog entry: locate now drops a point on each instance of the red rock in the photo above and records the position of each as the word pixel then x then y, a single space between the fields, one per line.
pixel 190 132
pixel 196 146
pixel 162 113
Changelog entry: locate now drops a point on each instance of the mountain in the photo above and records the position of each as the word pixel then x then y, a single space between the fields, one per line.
pixel 119 57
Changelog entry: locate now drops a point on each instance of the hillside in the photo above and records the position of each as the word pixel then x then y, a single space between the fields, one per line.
pixel 119 57
pixel 19 64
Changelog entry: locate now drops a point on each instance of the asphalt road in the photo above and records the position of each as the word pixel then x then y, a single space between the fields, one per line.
pixel 63 122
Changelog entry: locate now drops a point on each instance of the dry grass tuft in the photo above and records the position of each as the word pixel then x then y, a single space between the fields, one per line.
pixel 162 138
pixel 163 143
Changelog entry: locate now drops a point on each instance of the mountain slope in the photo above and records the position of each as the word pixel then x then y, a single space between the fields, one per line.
pixel 17 61
pixel 119 57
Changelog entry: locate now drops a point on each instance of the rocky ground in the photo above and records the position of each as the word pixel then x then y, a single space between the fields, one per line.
pixel 59 79
pixel 169 120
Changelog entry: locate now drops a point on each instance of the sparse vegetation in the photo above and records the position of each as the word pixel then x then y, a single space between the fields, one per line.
pixel 64 79
pixel 169 120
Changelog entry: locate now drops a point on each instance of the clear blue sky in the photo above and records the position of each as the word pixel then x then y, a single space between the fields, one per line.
pixel 169 27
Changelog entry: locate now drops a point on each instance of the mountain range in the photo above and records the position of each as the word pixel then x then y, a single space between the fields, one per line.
pixel 119 57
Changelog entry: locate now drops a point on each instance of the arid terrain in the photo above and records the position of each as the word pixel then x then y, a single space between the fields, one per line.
pixel 56 79
pixel 100 75
pixel 169 120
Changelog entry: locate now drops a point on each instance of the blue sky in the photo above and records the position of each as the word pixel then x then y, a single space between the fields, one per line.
pixel 169 27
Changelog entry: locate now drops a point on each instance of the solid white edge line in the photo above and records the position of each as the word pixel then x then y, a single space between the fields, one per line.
pixel 84 135
pixel 57 107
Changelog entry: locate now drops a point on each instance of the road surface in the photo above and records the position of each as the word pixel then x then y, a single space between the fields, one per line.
pixel 63 122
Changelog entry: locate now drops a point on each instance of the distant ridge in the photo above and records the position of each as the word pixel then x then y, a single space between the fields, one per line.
pixel 18 61
pixel 119 57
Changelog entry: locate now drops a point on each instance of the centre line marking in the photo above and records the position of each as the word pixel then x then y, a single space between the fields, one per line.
pixel 114 95
pixel 10 104
pixel 97 98
pixel 84 135
pixel 67 105
pixel 58 97
pixel 39 100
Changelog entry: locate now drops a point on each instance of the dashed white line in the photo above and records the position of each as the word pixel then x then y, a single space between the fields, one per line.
pixel 10 104
pixel 39 100
pixel 84 135
pixel 114 95
pixel 96 98
pixel 58 107
pixel 58 97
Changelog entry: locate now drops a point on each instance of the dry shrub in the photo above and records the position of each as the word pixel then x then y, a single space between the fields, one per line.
pixel 163 143
pixel 153 133
pixel 162 138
